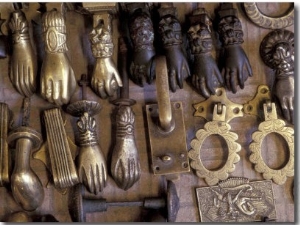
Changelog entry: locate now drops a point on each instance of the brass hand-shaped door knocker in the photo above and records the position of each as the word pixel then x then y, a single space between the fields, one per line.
pixel 206 76
pixel 170 31
pixel 235 66
pixel 57 76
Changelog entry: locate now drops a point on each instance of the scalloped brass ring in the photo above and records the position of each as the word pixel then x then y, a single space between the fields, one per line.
pixel 257 17
pixel 272 125
pixel 220 127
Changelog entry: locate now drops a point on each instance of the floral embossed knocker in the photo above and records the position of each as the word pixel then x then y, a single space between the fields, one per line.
pixel 272 125
pixel 218 126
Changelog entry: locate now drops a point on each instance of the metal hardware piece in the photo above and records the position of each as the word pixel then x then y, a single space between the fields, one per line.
pixel 79 206
pixel 105 77
pixel 219 127
pixel 204 109
pixel 3 41
pixel 206 76
pixel 166 128
pixel 170 31
pixel 23 65
pixel 62 164
pixel 125 164
pixel 265 21
pixel 255 106
pixel 235 66
pixel 91 163
pixel 57 76
pixel 19 217
pixel 277 51
pixel 142 35
pixel 26 187
pixel 5 122
pixel 272 125
pixel 236 200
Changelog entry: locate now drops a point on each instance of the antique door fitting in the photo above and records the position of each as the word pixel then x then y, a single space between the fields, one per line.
pixel 206 76
pixel 59 150
pixel 142 37
pixel 125 160
pixel 79 205
pixel 91 162
pixel 105 79
pixel 169 29
pixel 269 22
pixel 235 66
pixel 23 65
pixel 237 200
pixel 166 128
pixel 272 125
pixel 218 126
pixel 26 187
pixel 5 124
pixel 204 109
pixel 57 76
pixel 277 52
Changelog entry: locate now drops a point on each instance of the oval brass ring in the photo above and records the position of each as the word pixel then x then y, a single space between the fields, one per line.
pixel 275 126
pixel 257 17
pixel 223 129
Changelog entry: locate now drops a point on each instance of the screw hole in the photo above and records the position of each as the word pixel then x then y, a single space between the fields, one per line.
pixel 249 108
pixel 200 109
pixel 184 165
pixel 150 109
pixel 177 105
pixel 264 91
pixel 236 110
pixel 219 92
pixel 157 168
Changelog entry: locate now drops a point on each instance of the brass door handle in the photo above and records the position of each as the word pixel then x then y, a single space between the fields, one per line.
pixel 166 121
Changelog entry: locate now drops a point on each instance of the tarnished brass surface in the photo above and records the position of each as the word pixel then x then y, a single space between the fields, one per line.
pixel 91 162
pixel 262 20
pixel 220 127
pixel 5 122
pixel 237 200
pixel 206 76
pixel 125 160
pixel 169 29
pixel 62 164
pixel 19 217
pixel 204 109
pixel 57 76
pixel 26 187
pixel 272 125
pixel 255 106
pixel 23 65
pixel 277 51
pixel 235 65
pixel 105 77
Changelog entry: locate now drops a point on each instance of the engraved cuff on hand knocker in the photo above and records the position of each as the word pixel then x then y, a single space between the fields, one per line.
pixel 272 125
pixel 220 127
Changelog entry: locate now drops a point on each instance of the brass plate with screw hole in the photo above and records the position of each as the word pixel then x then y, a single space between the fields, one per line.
pixel 168 150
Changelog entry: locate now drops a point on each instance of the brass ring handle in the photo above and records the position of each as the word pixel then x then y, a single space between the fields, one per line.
pixel 272 125
pixel 221 128
pixel 166 121
pixel 264 21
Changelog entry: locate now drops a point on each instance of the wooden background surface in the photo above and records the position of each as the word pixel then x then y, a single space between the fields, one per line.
pixel 149 185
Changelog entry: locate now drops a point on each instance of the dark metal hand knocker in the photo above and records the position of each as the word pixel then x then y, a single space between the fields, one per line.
pixel 170 30
pixel 206 76
pixel 235 64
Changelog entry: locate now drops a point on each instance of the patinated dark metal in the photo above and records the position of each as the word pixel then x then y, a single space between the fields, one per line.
pixel 3 41
pixel 91 162
pixel 235 64
pixel 169 28
pixel 277 51
pixel 206 76
pixel 142 36
pixel 26 187
pixel 79 205
pixel 125 162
